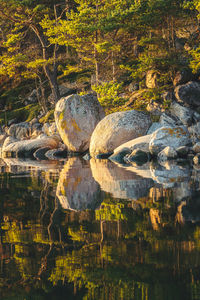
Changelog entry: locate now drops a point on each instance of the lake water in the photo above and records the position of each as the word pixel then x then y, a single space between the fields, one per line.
pixel 95 230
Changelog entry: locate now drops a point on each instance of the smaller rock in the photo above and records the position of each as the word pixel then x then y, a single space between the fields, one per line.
pixel 155 108
pixel 184 114
pixel 189 94
pixel 182 151
pixel 151 79
pixel 119 156
pixel 182 77
pixel 133 87
pixel 169 120
pixel 169 136
pixel 138 156
pixel 167 153
pixel 194 131
pixel 196 148
pixel 196 159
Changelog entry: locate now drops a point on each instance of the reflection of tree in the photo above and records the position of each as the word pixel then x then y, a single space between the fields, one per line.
pixel 144 252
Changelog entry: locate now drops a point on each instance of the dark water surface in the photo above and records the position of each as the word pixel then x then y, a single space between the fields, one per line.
pixel 95 230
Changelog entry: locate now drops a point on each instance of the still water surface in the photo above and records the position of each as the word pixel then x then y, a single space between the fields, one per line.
pixel 94 230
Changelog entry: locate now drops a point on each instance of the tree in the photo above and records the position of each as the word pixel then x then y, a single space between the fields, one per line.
pixel 26 50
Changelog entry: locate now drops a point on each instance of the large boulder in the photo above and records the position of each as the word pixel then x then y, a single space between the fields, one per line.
pixel 189 93
pixel 116 129
pixel 168 136
pixel 76 117
pixel 26 148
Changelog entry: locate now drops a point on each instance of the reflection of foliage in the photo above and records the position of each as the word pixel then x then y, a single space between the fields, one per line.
pixel 112 211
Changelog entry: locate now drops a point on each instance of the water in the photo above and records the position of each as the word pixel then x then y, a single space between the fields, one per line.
pixel 94 230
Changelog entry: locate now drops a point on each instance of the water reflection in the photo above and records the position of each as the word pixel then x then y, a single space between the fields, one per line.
pixel 121 183
pixel 100 246
pixel 76 187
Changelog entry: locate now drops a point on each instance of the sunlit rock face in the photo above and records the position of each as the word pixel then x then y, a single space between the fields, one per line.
pixel 168 136
pixel 77 189
pixel 26 148
pixel 76 117
pixel 117 129
pixel 120 182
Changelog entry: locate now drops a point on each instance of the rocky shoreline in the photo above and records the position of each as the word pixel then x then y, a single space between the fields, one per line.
pixel 81 127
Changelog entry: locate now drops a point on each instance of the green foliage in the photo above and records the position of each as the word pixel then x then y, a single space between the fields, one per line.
pixel 108 94
pixel 25 113
pixel 49 117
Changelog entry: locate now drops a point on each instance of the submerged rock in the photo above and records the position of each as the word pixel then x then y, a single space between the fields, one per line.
pixel 76 117
pixel 116 129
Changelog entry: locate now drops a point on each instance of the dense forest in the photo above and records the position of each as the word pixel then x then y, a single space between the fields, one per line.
pixel 127 51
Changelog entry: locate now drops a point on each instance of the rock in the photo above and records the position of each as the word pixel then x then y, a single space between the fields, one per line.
pixel 151 79
pixel 33 97
pixel 196 159
pixel 116 129
pixel 133 87
pixel 118 181
pixel 154 127
pixel 2 138
pixel 182 151
pixel 167 153
pixel 196 148
pixel 10 122
pixel 26 148
pixel 168 97
pixel 76 117
pixel 194 131
pixel 140 143
pixel 20 130
pixel 167 136
pixel 120 155
pixel 182 77
pixel 168 120
pixel 184 114
pixel 138 156
pixel 77 189
pixel 40 153
pixel 155 108
pixel 56 154
pixel 34 121
pixel 189 94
